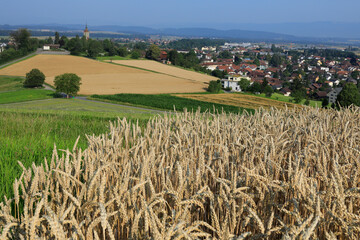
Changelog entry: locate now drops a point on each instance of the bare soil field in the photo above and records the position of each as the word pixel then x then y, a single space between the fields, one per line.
pixel 104 78
pixel 240 100
pixel 167 69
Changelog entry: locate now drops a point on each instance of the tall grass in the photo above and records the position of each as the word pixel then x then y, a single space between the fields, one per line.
pixel 271 175
pixel 169 102
pixel 29 137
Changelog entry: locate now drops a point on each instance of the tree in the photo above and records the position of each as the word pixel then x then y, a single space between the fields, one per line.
pixel 34 78
pixel 324 102
pixel 244 84
pixel 74 45
pixel 349 95
pixel 153 53
pixel 135 54
pixel 268 91
pixel 355 74
pixel 122 52
pixel 275 60
pixel 173 57
pixel 257 62
pixel 63 41
pixel 214 86
pixel 255 87
pixel 298 95
pixel 21 37
pixel 57 38
pixel 218 73
pixel 94 48
pixel 68 83
pixel 225 54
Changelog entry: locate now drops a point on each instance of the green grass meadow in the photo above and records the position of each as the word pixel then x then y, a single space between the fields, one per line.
pixel 25 95
pixel 8 83
pixel 29 130
pixel 169 102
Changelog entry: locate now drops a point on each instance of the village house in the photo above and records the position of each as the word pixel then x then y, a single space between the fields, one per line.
pixel 333 94
pixel 48 47
pixel 286 91
pixel 233 82
pixel 2 47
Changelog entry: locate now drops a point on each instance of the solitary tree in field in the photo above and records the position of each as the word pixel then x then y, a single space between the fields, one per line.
pixel 34 78
pixel 68 83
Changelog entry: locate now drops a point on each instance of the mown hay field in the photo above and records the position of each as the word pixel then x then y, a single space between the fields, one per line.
pixel 167 69
pixel 240 100
pixel 280 174
pixel 104 78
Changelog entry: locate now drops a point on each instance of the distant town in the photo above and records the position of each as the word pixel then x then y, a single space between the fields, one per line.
pixel 309 72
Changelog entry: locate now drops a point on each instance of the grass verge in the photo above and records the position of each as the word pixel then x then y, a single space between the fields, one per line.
pixel 128 57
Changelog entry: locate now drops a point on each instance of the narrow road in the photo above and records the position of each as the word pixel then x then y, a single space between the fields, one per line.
pixel 38 51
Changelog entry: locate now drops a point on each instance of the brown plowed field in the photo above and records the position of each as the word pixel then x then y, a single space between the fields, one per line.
pixel 240 100
pixel 104 78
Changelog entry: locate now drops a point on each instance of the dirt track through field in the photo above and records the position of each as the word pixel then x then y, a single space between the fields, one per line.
pixel 104 78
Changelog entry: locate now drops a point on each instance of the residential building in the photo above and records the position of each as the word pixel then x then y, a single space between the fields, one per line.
pixel 333 94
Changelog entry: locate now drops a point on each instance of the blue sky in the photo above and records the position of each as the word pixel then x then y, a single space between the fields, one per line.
pixel 184 13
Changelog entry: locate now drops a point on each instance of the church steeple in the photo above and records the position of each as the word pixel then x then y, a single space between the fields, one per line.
pixel 86 32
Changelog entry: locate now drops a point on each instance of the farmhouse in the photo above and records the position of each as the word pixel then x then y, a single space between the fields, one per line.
pixel 48 47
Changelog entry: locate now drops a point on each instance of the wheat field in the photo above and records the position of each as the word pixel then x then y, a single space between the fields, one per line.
pixel 167 69
pixel 279 174
pixel 240 100
pixel 105 78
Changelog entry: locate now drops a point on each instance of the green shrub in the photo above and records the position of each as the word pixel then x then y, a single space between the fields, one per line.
pixel 214 86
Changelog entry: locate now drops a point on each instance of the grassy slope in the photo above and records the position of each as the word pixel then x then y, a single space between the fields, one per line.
pixel 9 83
pixel 128 57
pixel 168 102
pixel 280 97
pixel 24 95
pixel 12 90
pixel 29 130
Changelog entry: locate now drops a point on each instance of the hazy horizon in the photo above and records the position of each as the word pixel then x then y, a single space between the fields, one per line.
pixel 298 18
pixel 185 12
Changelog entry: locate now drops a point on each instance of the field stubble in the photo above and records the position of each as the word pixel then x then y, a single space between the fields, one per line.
pixel 271 175
pixel 104 78
pixel 240 100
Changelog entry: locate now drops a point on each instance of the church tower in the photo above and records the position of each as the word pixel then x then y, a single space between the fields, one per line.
pixel 86 33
